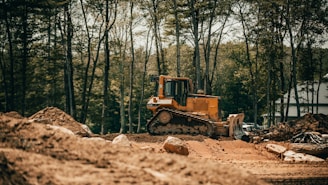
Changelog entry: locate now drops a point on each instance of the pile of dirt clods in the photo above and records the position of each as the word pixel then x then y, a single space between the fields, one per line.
pixel 49 148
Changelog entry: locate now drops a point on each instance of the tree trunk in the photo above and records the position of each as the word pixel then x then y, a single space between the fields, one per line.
pixel 4 82
pixel 162 53
pixel 49 68
pixel 250 66
pixel 320 79
pixel 10 96
pixel 54 80
pixel 268 94
pixel 177 36
pixel 122 92
pixel 106 75
pixel 24 58
pixel 274 94
pixel 195 22
pixel 282 78
pixel 122 109
pixel 131 70
pixel 217 49
pixel 84 110
pixel 69 88
pixel 293 58
pixel 147 55
pixel 155 22
pixel 255 85
pixel 207 87
pixel 282 91
pixel 288 96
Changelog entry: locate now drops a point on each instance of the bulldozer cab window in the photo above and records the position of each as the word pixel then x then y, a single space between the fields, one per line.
pixel 177 89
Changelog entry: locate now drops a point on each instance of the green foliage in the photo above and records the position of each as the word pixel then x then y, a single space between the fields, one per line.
pixel 232 82
pixel 112 115
pixel 44 52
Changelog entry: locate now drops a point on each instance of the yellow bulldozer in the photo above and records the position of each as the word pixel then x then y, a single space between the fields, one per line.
pixel 177 110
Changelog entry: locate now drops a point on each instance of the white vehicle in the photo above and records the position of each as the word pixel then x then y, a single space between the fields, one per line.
pixel 251 127
pixel 248 127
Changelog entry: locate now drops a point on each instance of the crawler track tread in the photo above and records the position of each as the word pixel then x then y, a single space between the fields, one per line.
pixel 181 123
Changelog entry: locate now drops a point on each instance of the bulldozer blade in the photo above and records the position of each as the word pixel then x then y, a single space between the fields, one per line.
pixel 238 132
pixel 236 126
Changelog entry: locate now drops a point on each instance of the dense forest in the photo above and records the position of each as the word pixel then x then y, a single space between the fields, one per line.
pixel 94 58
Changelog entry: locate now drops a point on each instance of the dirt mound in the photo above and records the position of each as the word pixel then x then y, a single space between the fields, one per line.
pixel 57 117
pixel 35 153
pixel 12 114
pixel 42 150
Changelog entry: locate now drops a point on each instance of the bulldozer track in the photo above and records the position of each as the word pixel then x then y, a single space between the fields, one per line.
pixel 168 121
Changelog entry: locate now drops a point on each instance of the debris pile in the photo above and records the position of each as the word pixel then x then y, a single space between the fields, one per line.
pixel 302 127
pixel 306 134
pixel 310 122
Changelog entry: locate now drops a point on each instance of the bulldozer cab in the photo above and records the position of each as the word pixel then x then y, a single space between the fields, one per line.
pixel 172 92
pixel 177 89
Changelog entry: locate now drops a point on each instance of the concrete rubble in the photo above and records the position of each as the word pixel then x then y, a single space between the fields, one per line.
pixel 121 140
pixel 291 156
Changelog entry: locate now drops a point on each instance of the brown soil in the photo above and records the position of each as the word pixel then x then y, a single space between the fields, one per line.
pixel 33 151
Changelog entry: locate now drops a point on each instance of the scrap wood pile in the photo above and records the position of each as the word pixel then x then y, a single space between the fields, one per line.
pixel 308 137
pixel 307 129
